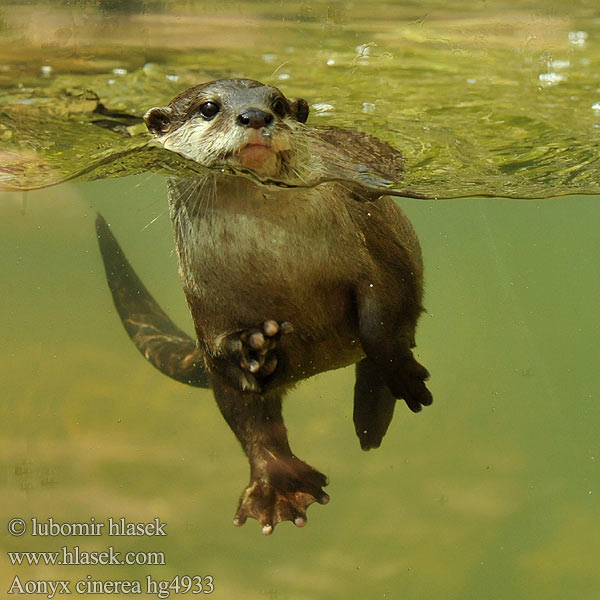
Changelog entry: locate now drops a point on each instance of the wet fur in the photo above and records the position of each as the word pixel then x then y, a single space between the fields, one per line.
pixel 344 269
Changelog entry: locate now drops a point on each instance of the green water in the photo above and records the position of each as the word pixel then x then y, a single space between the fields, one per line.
pixel 493 492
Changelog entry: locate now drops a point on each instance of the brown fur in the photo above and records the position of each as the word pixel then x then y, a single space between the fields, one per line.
pixel 345 270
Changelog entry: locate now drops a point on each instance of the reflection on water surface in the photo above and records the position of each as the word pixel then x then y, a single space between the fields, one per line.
pixel 482 101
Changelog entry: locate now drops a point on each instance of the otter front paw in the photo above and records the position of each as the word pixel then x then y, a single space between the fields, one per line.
pixel 258 344
pixel 247 357
pixel 284 494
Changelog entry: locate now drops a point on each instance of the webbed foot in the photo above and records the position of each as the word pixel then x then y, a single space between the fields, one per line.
pixel 282 493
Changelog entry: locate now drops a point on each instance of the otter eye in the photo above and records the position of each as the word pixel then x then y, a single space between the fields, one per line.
pixel 279 107
pixel 209 109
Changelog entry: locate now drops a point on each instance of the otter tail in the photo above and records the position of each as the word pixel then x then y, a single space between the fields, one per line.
pixel 161 342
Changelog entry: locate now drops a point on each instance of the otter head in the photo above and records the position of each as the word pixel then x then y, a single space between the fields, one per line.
pixel 239 123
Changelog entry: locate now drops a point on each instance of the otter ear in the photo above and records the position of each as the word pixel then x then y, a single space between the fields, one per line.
pixel 300 108
pixel 158 119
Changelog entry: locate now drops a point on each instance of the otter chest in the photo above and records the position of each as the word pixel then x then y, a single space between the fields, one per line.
pixel 229 244
pixel 246 256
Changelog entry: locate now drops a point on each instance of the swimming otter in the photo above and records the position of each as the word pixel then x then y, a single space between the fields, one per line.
pixel 282 282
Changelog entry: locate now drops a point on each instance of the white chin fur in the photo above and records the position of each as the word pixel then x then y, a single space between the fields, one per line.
pixel 198 141
pixel 260 159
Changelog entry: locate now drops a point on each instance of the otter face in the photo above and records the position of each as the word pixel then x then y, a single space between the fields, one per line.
pixel 231 122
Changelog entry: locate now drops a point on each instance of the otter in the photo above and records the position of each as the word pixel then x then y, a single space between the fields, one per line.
pixel 283 280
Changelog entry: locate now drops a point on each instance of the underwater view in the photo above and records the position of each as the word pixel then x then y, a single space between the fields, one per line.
pixel 118 481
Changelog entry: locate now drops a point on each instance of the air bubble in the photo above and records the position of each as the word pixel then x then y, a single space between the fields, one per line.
pixel 549 79
pixel 368 107
pixel 578 38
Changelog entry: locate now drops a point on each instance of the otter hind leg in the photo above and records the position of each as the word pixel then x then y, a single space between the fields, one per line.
pixel 282 486
pixel 373 405
pixel 387 336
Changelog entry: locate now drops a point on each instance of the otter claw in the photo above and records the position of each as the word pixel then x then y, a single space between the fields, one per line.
pixel 269 367
pixel 286 327
pixel 300 521
pixel 256 340
pixel 324 499
pixel 253 366
pixel 271 327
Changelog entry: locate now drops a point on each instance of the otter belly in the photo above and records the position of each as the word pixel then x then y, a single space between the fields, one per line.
pixel 288 259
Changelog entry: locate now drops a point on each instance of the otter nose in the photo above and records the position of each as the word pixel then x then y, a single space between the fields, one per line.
pixel 255 118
